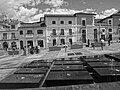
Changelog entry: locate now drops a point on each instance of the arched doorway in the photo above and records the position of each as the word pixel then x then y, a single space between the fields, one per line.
pixel 21 44
pixel 5 45
pixel 13 45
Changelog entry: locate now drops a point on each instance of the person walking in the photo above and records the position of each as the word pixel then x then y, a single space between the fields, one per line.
pixel 24 51
pixel 38 49
pixel 102 43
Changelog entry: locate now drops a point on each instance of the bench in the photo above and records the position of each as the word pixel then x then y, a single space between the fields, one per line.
pixel 54 48
pixel 77 46
pixel 11 52
pixel 97 44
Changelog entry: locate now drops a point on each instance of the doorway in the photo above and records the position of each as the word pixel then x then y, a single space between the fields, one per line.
pixel 21 44
pixel 84 36
pixel 13 45
pixel 40 43
pixel 103 37
pixel 5 45
pixel 54 42
pixel 30 43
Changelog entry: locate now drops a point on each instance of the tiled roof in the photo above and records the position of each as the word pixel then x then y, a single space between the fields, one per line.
pixel 32 25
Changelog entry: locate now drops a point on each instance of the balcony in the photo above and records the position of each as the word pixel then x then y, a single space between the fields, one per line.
pixel 29 35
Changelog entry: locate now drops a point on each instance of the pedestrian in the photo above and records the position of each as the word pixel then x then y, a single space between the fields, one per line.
pixel 32 50
pixel 102 43
pixel 38 49
pixel 108 41
pixel 24 51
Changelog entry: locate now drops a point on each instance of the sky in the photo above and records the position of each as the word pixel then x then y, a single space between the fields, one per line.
pixel 32 10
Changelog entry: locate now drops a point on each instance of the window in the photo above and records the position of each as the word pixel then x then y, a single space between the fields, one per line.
pixel 62 41
pixel 12 35
pixel 103 30
pixel 70 31
pixel 62 32
pixel 69 22
pixel 12 26
pixel 70 41
pixel 53 22
pixel 21 32
pixel 109 21
pixel 4 35
pixel 110 30
pixel 54 32
pixel 29 32
pixel 39 31
pixel 61 22
pixel 95 34
pixel 83 21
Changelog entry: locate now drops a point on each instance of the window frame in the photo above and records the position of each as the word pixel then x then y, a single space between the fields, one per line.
pixel 83 19
pixel 21 31
pixel 62 23
pixel 53 21
pixel 62 32
pixel 69 22
pixel 4 35
pixel 30 32
pixel 54 33
pixel 39 31
pixel 109 22
pixel 110 29
pixel 70 31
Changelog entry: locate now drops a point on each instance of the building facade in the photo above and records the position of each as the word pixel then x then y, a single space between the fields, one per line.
pixel 9 34
pixel 109 27
pixel 61 29
pixel 69 28
pixel 32 34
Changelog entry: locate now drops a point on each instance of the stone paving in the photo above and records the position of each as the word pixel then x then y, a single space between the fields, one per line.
pixel 8 64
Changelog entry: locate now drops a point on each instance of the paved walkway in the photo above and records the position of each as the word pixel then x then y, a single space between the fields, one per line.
pixel 10 63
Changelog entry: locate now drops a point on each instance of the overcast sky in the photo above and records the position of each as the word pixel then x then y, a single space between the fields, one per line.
pixel 32 10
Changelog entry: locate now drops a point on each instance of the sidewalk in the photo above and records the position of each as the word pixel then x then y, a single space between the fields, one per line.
pixel 17 60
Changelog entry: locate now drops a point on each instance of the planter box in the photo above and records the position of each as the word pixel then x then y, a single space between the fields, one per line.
pixel 76 46
pixel 17 81
pixel 63 78
pixel 13 52
pixel 54 48
pixel 98 44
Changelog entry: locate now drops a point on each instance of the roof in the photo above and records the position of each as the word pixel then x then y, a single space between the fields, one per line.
pixel 32 25
pixel 59 15
pixel 67 15
pixel 85 13
pixel 115 14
